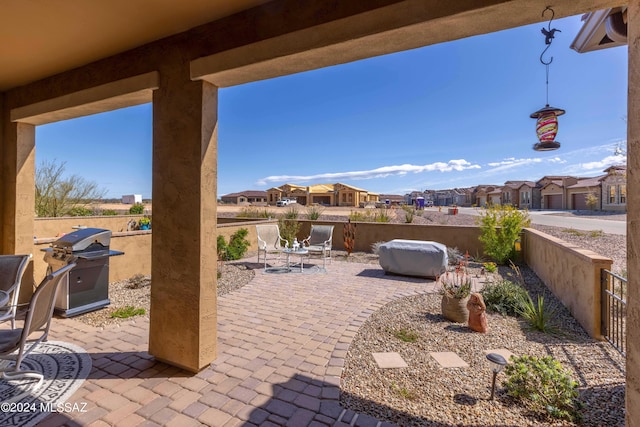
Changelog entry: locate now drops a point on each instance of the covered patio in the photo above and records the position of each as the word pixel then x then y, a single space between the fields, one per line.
pixel 178 61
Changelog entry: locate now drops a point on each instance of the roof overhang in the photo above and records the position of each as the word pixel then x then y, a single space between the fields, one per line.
pixel 602 29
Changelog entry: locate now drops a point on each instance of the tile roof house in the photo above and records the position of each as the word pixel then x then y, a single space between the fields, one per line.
pixel 580 193
pixel 246 197
pixel 323 194
pixel 614 189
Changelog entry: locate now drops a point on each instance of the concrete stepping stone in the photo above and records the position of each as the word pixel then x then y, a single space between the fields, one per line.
pixel 449 359
pixel 389 360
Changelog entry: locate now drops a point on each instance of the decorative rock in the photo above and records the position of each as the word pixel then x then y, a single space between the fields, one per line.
pixel 477 315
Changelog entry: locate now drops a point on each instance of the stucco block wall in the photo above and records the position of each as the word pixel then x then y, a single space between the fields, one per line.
pixel 367 233
pixel 571 273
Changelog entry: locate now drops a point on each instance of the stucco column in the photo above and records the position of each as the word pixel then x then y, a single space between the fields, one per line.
pixel 633 218
pixel 183 268
pixel 17 192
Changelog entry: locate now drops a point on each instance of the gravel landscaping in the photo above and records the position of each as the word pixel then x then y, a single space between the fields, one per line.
pixel 424 394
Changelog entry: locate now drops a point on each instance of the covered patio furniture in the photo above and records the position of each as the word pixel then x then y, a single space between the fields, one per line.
pixel 270 241
pixel 12 269
pixel 319 242
pixel 37 321
pixel 413 258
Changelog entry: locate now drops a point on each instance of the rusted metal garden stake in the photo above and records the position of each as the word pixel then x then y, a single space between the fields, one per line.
pixel 349 236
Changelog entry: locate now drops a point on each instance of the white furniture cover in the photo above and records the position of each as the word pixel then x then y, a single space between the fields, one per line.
pixel 413 257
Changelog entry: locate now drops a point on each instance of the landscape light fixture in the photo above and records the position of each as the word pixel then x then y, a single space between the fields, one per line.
pixel 547 123
pixel 497 364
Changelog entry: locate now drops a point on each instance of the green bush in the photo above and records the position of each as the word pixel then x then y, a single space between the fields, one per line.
pixel 381 215
pixel 504 297
pixel 314 212
pixel 128 311
pixel 409 213
pixel 542 384
pixel 236 248
pixel 500 227
pixel 288 228
pixel 80 211
pixel 538 316
pixel 109 212
pixel 292 212
pixel 136 209
pixel 253 212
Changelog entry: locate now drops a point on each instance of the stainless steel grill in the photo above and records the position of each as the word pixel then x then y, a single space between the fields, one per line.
pixel 87 285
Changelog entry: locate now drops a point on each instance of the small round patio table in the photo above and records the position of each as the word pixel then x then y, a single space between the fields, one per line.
pixel 299 252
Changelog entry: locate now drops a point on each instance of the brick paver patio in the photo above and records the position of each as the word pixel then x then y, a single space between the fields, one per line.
pixel 282 340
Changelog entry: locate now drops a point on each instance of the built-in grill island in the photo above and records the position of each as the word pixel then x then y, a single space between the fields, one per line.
pixel 86 288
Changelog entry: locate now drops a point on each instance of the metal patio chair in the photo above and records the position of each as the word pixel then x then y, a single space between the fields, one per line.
pixel 12 268
pixel 37 321
pixel 319 242
pixel 270 241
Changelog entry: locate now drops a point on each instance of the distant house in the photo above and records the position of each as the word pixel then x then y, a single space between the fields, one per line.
pixel 132 199
pixel 553 191
pixel 614 189
pixel 528 195
pixel 325 194
pixel 247 197
pixel 481 194
pixel 511 193
pixel 578 193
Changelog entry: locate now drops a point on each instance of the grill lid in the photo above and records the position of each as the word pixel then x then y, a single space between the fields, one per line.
pixel 84 239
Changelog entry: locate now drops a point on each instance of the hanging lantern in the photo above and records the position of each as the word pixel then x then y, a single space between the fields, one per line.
pixel 547 128
pixel 547 123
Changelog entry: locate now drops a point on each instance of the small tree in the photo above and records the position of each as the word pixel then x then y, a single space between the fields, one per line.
pixel 500 227
pixel 592 200
pixel 136 209
pixel 57 195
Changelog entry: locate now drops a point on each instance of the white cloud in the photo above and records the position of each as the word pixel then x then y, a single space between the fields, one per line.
pixel 619 159
pixel 512 162
pixel 451 165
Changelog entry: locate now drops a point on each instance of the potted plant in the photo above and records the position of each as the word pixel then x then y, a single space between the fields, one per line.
pixel 455 288
pixel 144 223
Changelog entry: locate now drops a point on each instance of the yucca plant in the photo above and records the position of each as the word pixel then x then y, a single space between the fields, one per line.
pixel 538 316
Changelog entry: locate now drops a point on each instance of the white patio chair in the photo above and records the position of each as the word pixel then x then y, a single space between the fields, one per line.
pixel 319 242
pixel 12 269
pixel 270 241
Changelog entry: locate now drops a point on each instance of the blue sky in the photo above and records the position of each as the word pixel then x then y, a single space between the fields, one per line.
pixel 450 115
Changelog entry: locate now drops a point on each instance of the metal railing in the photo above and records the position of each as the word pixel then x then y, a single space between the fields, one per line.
pixel 614 309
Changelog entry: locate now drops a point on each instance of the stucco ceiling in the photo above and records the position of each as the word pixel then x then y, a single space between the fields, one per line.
pixel 39 38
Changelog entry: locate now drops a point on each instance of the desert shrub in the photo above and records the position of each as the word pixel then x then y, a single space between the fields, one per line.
pixel 381 215
pixel 491 267
pixel 504 297
pixel 454 255
pixel 136 209
pixel 538 316
pixel 375 247
pixel 289 228
pixel 236 248
pixel 128 311
pixel 543 385
pixel 409 213
pixel 292 212
pixel 109 212
pixel 314 212
pixel 500 227
pixel 80 211
pixel 253 212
